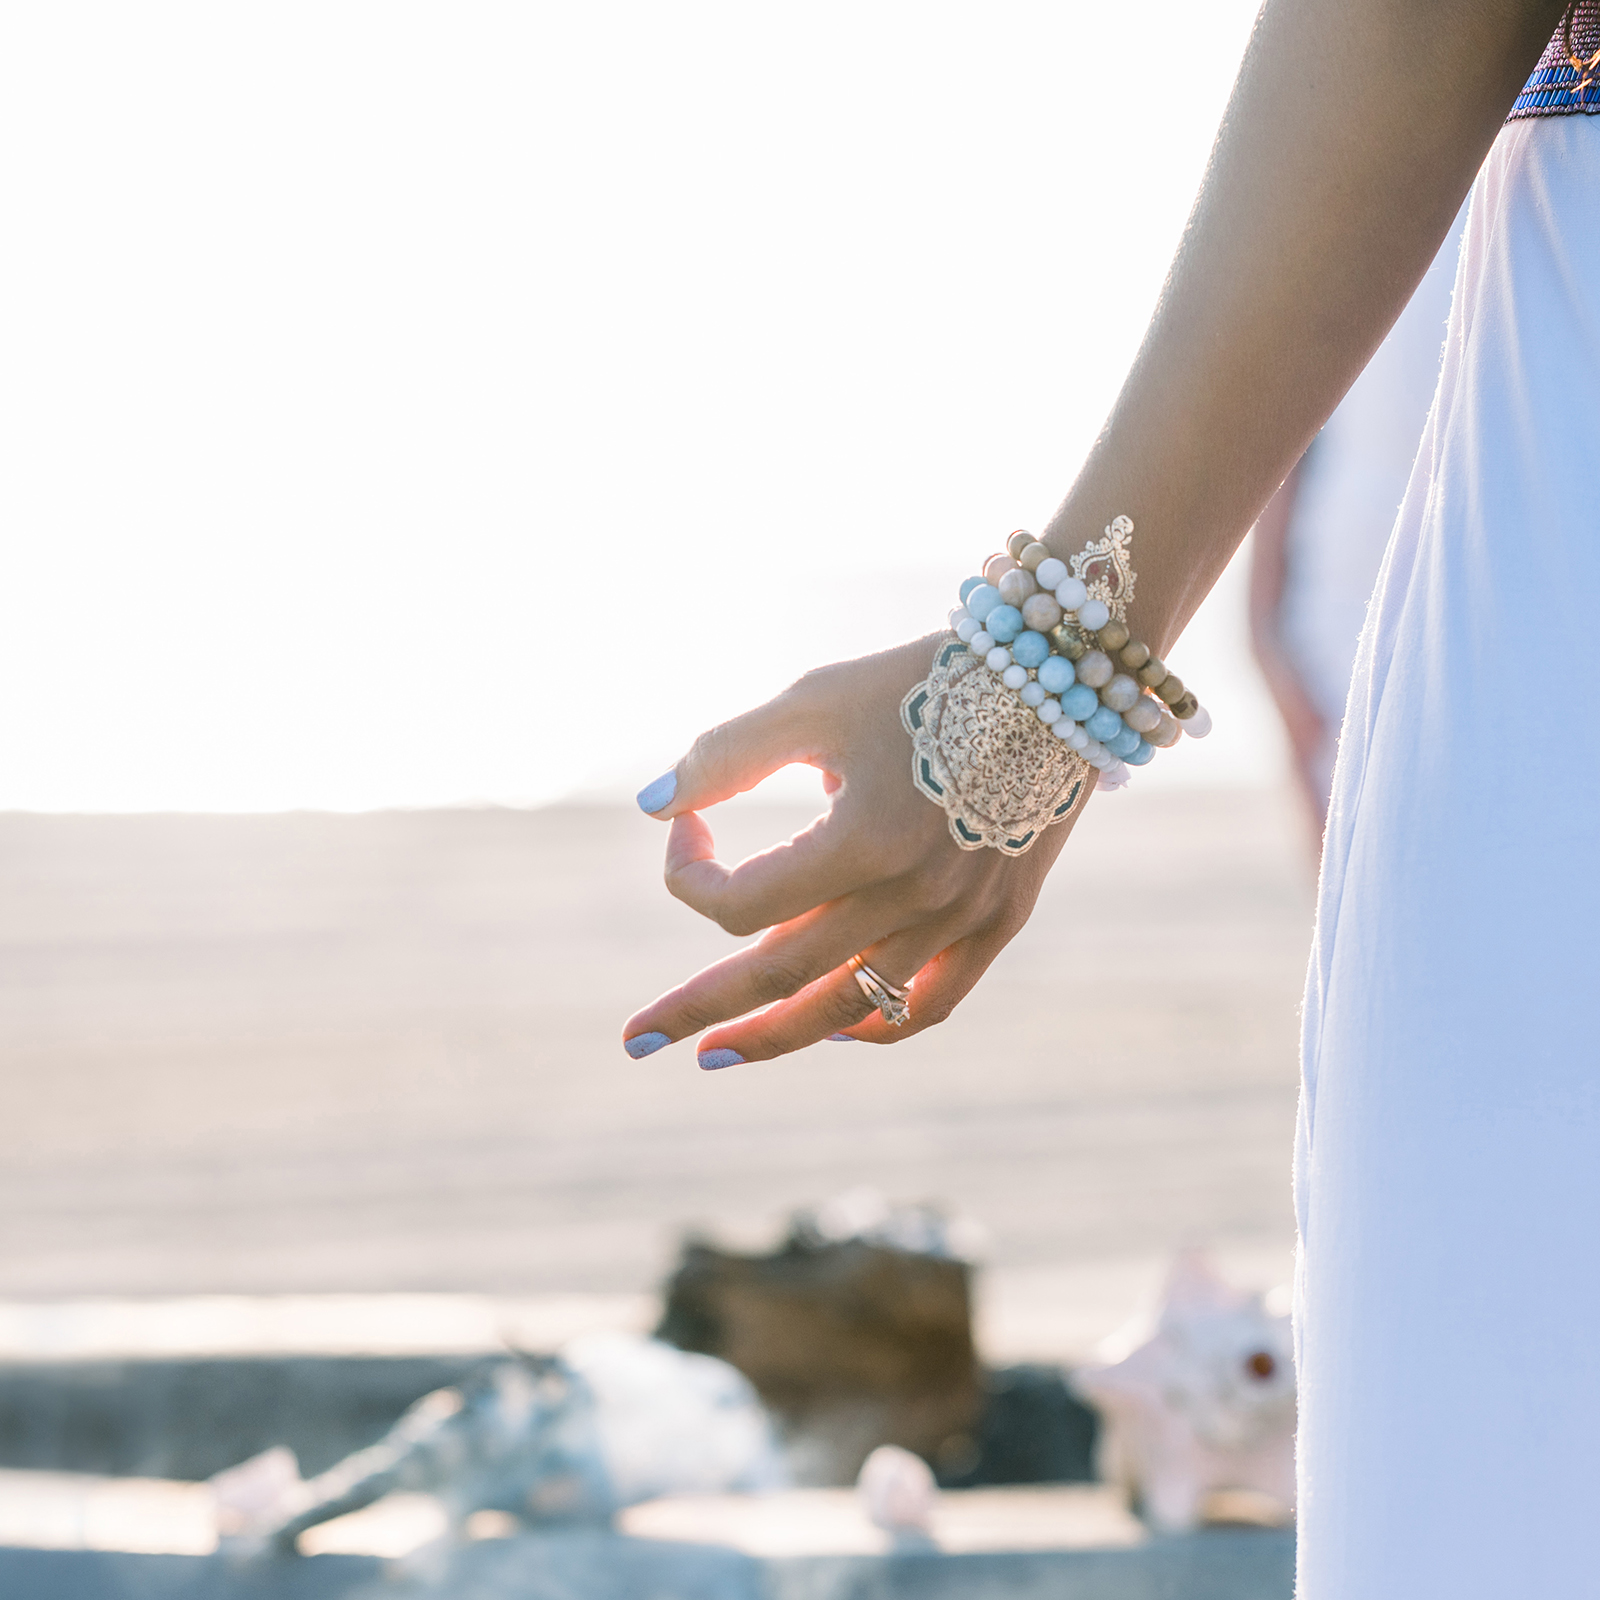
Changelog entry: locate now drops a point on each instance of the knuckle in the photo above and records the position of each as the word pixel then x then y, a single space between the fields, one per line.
pixel 738 920
pixel 813 683
pixel 711 897
pixel 811 704
pixel 709 753
pixel 1008 921
pixel 777 980
pixel 693 1015
pixel 934 1010
pixel 843 1007
pixel 681 885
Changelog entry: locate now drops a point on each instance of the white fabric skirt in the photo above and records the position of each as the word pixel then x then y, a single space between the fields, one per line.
pixel 1448 1168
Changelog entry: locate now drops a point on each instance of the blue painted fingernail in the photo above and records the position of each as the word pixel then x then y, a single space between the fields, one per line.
pixel 645 1044
pixel 842 1038
pixel 716 1060
pixel 657 796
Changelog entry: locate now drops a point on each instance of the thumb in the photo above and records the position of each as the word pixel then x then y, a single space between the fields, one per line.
pixel 731 758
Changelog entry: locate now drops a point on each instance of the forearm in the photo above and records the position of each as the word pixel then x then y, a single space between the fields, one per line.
pixel 1353 133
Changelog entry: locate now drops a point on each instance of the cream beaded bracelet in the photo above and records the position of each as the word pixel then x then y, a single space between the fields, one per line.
pixel 1044 638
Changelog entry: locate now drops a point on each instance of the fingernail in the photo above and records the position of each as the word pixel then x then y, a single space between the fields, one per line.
pixel 657 796
pixel 842 1038
pixel 645 1044
pixel 716 1060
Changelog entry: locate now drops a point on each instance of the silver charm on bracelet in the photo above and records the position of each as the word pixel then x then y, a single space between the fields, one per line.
pixel 893 1004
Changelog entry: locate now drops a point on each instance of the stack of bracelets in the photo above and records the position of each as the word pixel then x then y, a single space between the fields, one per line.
pixel 1064 654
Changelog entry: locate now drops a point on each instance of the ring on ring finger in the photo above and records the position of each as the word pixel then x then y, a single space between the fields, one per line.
pixel 893 1003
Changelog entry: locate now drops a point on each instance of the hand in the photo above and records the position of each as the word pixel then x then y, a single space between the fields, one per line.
pixel 878 874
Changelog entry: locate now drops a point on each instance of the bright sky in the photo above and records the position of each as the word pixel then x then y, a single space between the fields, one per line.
pixel 409 404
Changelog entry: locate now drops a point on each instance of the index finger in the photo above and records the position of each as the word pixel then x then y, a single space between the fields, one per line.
pixel 823 862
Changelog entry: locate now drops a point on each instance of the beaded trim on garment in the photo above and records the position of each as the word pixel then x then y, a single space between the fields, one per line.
pixel 1566 82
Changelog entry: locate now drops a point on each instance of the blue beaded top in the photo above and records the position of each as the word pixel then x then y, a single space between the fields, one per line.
pixel 1557 88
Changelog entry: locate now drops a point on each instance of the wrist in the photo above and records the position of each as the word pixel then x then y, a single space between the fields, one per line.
pixel 1054 630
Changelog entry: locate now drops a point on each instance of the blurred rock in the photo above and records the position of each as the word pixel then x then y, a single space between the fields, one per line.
pixel 615 1419
pixel 1218 1564
pixel 866 1214
pixel 897 1491
pixel 191 1417
pixel 1032 1429
pixel 259 1492
pixel 852 1343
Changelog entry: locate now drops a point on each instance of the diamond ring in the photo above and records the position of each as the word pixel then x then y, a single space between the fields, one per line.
pixel 892 1003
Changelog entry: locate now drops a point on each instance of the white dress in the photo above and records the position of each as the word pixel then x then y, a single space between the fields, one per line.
pixel 1448 1168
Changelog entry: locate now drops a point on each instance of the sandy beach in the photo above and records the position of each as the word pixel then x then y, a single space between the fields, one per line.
pixel 317 1053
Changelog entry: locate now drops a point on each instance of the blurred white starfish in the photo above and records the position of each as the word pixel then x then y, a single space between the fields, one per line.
pixel 1206 1402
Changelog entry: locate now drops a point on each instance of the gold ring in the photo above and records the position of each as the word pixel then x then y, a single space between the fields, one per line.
pixel 892 1003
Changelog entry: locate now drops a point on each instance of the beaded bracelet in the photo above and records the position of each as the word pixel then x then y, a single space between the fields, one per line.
pixel 1041 649
pixel 1034 622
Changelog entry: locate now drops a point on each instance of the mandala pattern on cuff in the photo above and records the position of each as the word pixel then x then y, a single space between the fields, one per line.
pixel 1000 774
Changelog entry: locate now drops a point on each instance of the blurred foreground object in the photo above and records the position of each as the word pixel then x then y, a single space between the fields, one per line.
pixel 856 1332
pixel 897 1491
pixel 1205 1403
pixel 572 1439
pixel 258 1493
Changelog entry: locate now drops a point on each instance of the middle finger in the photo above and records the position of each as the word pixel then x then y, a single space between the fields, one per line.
pixel 843 852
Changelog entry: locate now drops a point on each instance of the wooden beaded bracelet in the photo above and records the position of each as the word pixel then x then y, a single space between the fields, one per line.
pixel 1055 635
pixel 1030 554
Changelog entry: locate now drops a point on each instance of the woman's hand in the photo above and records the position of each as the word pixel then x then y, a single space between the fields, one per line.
pixel 1320 211
pixel 877 875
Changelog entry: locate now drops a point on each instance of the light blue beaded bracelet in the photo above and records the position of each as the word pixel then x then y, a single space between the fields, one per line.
pixel 1054 634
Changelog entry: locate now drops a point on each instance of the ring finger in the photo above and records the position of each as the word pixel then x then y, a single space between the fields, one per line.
pixel 829 1005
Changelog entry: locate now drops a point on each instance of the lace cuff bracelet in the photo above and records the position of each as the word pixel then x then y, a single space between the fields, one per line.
pixel 1040 685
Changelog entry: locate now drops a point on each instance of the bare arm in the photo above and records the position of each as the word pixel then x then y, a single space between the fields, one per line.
pixel 1351 138
pixel 1353 133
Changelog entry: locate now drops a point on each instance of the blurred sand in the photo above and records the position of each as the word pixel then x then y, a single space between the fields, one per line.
pixel 328 1053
